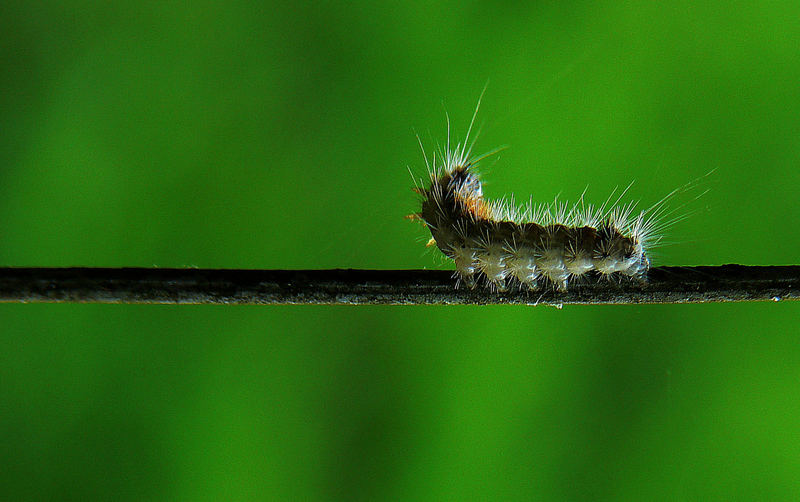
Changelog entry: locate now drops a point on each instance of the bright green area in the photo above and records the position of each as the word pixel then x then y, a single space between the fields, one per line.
pixel 250 135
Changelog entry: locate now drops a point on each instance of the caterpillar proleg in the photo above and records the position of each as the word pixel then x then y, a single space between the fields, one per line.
pixel 535 246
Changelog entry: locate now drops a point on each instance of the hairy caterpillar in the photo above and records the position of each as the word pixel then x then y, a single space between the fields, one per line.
pixel 536 246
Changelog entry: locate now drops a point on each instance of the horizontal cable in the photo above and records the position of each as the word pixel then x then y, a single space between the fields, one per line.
pixel 726 283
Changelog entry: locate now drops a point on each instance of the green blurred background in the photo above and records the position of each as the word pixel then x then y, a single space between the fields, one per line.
pixel 258 135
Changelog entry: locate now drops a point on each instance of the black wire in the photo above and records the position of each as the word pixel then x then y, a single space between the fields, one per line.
pixel 726 283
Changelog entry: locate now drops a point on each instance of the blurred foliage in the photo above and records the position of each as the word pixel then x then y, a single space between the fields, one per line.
pixel 247 134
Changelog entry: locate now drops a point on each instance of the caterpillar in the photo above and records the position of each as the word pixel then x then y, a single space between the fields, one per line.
pixel 536 246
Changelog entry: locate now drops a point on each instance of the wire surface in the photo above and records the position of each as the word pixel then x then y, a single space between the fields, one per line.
pixel 726 283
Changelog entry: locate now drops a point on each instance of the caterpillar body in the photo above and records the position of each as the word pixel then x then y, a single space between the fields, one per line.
pixel 536 246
